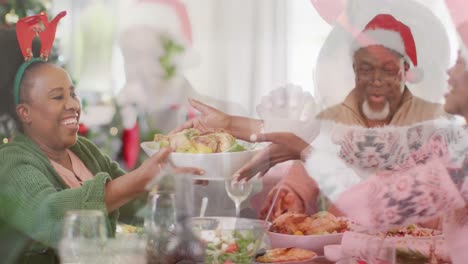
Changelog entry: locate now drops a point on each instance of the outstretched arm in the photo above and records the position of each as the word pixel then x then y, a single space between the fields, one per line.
pixel 212 120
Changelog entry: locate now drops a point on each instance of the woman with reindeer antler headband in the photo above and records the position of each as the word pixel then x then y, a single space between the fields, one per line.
pixel 47 169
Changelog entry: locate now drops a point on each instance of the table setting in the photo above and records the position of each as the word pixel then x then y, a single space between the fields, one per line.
pixel 176 230
pixel 291 238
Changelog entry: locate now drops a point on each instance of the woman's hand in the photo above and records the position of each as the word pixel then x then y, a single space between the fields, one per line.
pixel 287 201
pixel 210 121
pixel 156 163
pixel 289 102
pixel 285 146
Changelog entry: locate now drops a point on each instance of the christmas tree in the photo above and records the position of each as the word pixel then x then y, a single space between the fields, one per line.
pixel 12 10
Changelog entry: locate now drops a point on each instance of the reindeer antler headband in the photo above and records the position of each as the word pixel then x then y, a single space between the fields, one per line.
pixel 26 29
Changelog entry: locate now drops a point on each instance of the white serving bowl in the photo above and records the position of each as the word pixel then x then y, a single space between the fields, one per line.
pixel 315 243
pixel 217 166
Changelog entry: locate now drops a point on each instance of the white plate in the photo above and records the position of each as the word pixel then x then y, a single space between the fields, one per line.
pixel 315 260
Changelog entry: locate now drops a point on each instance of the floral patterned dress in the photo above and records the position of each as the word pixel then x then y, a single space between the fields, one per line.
pixel 398 176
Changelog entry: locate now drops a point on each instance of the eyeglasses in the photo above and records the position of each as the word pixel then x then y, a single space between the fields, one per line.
pixel 368 72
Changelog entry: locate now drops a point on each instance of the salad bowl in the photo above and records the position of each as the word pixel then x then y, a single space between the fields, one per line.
pixel 230 239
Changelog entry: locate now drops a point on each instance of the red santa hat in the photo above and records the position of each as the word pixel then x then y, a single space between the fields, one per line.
pixel 391 33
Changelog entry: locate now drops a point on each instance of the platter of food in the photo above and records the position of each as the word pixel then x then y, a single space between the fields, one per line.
pixel 287 256
pixel 411 231
pixel 415 243
pixel 310 232
pixel 219 154
pixel 410 243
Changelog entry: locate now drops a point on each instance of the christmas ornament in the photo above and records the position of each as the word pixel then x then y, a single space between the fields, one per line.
pixel 11 18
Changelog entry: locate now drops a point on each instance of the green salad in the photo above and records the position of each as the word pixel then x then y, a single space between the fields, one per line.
pixel 229 247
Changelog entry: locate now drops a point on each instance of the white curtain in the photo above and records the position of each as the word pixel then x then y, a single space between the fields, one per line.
pixel 243 48
pixel 246 47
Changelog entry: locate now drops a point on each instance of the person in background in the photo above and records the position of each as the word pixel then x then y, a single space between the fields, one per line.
pixel 47 170
pixel 156 42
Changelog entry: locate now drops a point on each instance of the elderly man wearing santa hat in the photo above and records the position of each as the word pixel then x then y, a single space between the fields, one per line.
pixel 384 60
pixel 440 182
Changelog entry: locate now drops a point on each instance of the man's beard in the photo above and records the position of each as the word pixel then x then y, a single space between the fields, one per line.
pixel 375 115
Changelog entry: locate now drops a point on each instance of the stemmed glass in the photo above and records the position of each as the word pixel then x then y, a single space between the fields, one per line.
pixel 238 192
pixel 380 252
pixel 161 216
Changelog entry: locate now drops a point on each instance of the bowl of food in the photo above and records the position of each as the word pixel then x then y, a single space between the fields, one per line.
pixel 412 244
pixel 311 232
pixel 230 239
pixel 415 243
pixel 412 231
pixel 219 154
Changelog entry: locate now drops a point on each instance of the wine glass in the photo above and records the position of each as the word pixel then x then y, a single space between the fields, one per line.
pixel 379 252
pixel 160 224
pixel 238 192
pixel 161 216
pixel 84 235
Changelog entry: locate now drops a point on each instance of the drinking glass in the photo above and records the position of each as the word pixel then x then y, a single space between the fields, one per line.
pixel 85 224
pixel 238 192
pixel 125 249
pixel 83 238
pixel 160 226
pixel 380 253
pixel 161 214
pixel 372 251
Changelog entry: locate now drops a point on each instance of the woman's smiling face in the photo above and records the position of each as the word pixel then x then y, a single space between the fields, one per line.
pixel 49 109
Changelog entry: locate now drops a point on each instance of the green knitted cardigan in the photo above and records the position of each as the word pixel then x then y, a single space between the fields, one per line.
pixel 34 198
